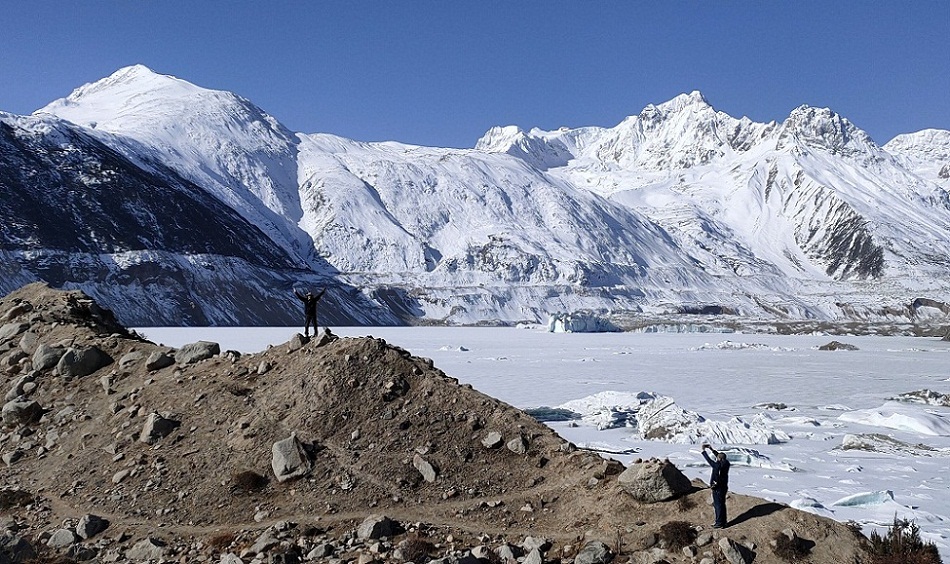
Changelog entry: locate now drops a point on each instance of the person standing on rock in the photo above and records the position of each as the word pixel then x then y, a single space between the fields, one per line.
pixel 309 309
pixel 718 483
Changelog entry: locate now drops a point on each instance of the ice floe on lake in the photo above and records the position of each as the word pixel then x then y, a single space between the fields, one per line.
pixel 657 417
pixel 901 417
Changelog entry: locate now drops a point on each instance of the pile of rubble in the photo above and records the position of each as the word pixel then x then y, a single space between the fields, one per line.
pixel 116 449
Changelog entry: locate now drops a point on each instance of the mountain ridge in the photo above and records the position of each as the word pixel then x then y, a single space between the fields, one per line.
pixel 675 207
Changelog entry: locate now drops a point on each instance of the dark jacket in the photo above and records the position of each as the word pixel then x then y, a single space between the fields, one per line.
pixel 310 302
pixel 719 480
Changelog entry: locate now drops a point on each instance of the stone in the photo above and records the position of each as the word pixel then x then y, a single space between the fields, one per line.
pixel 130 358
pixel 733 552
pixel 322 550
pixel 20 386
pixel 540 543
pixel 157 426
pixel 837 346
pixel 12 330
pixel 377 526
pixel 653 480
pixel 9 458
pixel 492 440
pixel 230 558
pixel 427 470
pixel 28 342
pixel 16 549
pixel 196 352
pixel 91 525
pixel 46 357
pixel 147 549
pixel 82 553
pixel 263 368
pixel 290 459
pixel 21 412
pixel 265 542
pixel 297 342
pixel 533 557
pixel 158 360
pixel 77 362
pixel 594 552
pixel 18 310
pixel 61 538
pixel 518 445
pixel 233 356
pixel 323 337
pixel 508 554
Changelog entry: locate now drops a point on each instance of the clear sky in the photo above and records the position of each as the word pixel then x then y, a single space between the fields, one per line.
pixel 442 72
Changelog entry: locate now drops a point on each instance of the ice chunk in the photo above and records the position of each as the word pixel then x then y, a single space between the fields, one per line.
pixel 876 442
pixel 902 417
pixel 657 417
pixel 740 456
pixel 865 499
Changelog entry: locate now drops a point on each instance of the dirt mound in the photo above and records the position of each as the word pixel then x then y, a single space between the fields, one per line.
pixel 180 460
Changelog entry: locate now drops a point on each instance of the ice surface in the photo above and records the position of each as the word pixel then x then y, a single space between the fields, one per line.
pixel 535 368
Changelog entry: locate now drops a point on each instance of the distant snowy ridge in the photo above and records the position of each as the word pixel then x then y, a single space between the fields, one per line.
pixel 675 209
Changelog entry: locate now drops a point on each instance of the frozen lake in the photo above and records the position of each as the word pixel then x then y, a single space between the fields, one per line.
pixel 900 466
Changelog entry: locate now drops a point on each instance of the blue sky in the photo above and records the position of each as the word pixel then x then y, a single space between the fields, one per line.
pixel 443 72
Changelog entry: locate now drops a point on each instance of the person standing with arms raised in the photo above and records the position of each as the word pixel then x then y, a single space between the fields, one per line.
pixel 718 483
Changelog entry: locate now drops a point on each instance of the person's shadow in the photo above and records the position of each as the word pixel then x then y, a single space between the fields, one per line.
pixel 760 510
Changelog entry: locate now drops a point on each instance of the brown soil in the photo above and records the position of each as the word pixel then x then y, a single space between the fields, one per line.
pixel 366 407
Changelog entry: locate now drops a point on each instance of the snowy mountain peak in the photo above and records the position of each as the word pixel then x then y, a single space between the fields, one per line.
pixel 824 129
pixel 693 99
pixel 499 139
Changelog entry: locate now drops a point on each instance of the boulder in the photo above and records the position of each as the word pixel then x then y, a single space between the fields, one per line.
pixel 733 552
pixel 130 358
pixel 653 480
pixel 28 342
pixel 91 525
pixel 492 440
pixel 290 459
pixel 195 352
pixel 20 412
pixel 158 360
pixel 297 342
pixel 61 538
pixel 147 549
pixel 594 552
pixel 46 357
pixel 77 362
pixel 378 526
pixel 427 470
pixel 20 386
pixel 15 549
pixel 837 346
pixel 18 310
pixel 518 445
pixel 157 426
pixel 12 330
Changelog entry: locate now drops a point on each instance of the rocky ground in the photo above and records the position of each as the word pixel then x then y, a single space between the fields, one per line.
pixel 116 449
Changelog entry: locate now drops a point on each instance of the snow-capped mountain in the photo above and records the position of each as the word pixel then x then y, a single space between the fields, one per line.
pixel 679 208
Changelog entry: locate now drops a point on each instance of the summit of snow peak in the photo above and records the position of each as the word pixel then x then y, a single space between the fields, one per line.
pixel 825 129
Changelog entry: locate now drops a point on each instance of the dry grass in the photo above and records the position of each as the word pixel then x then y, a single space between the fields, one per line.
pixel 789 549
pixel 902 545
pixel 677 534
pixel 248 482
pixel 417 550
pixel 14 498
pixel 221 541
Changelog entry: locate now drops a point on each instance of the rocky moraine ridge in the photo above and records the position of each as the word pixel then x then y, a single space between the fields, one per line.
pixel 115 449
